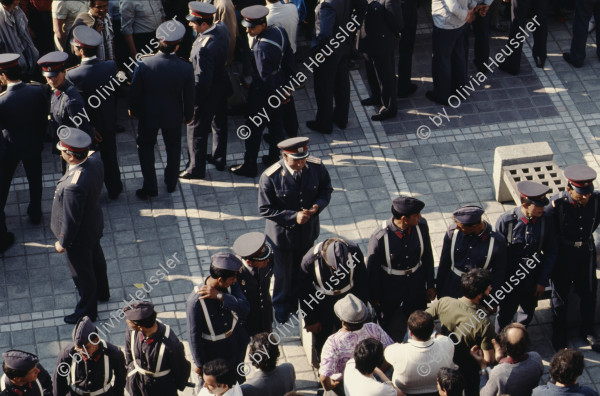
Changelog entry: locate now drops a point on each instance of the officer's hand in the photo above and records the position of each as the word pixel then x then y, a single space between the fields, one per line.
pixel 130 114
pixel 58 247
pixel 314 328
pixel 302 217
pixel 208 292
pixel 539 291
pixel 97 136
pixel 431 294
pixel 471 16
pixel 312 211
pixel 198 370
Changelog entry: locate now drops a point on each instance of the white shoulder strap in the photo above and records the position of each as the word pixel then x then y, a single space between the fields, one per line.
pixel 489 253
pixel 420 241
pixel 3 382
pixel 386 245
pixel 452 245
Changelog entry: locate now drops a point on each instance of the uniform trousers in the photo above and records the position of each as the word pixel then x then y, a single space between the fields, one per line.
pixel 108 153
pixel 407 45
pixel 209 115
pixel 481 34
pixel 285 286
pixel 88 269
pixel 146 140
pixel 332 81
pixel 33 171
pixel 520 300
pixel 382 79
pixel 584 10
pixel 449 63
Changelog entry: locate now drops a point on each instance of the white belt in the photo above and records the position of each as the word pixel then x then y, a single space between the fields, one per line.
pixel 107 384
pixel 161 354
pixel 409 271
pixel 319 285
pixel 487 260
pixel 386 244
pixel 212 336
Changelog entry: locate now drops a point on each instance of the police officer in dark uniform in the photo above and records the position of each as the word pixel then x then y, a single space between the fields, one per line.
pixel 470 243
pixel 406 48
pixel 530 235
pixel 23 121
pixel 334 268
pixel 155 357
pixel 400 266
pixel 162 96
pixel 23 375
pixel 522 11
pixel 212 87
pixel 291 194
pixel 67 107
pixel 214 313
pixel 272 65
pixel 255 280
pixel 332 79
pixel 77 221
pixel 93 74
pixel 576 215
pixel 89 364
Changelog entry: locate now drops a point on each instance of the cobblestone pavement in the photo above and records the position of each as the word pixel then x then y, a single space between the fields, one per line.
pixel 370 163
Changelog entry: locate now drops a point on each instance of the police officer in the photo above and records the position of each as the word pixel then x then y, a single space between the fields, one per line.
pixel 23 375
pixel 400 266
pixel 67 107
pixel 91 75
pixel 272 65
pixel 23 120
pixel 576 215
pixel 470 243
pixel 161 96
pixel 155 358
pixel 77 221
pixel 335 268
pixel 212 87
pixel 291 194
pixel 214 311
pixel 530 235
pixel 406 48
pixel 255 280
pixel 89 364
pixel 332 76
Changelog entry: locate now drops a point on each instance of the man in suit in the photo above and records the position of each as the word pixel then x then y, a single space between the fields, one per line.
pixel 23 120
pixel 91 75
pixel 162 96
pixel 77 221
pixel 291 194
pixel 212 88
pixel 377 39
pixel 255 280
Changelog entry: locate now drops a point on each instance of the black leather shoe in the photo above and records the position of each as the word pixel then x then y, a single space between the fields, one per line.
pixel 540 62
pixel 6 241
pixel 593 340
pixel 73 318
pixel 268 160
pixel 104 298
pixel 219 165
pixel 405 93
pixel 171 189
pixel 429 95
pixel 383 115
pixel 145 195
pixel 244 170
pixel 35 216
pixel 188 176
pixel 567 57
pixel 313 125
pixel 371 102
pixel 115 194
pixel 341 125
pixel 506 69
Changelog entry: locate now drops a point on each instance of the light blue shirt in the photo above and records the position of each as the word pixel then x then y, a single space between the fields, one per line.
pixel 451 14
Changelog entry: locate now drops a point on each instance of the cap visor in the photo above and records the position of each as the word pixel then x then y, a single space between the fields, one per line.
pixel 248 24
pixel 584 190
pixel 50 73
pixel 60 147
pixel 542 203
pixel 191 18
pixel 298 156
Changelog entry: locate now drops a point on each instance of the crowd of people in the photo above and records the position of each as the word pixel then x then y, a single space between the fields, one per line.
pixel 368 314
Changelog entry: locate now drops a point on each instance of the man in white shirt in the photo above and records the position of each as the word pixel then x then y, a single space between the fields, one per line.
pixel 417 362
pixel 219 379
pixel 286 16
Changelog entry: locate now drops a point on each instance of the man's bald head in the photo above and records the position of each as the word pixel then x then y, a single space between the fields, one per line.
pixel 514 340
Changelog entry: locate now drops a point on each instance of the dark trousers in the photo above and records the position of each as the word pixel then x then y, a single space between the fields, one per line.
pixel 523 10
pixel 88 269
pixel 449 64
pixel 211 114
pixel 285 283
pixel 142 43
pixel 146 140
pixel 40 23
pixel 407 44
pixel 470 372
pixel 382 79
pixel 332 81
pixel 258 96
pixel 521 301
pixel 290 118
pixel 481 33
pixel 33 170
pixel 108 153
pixel 577 267
pixel 584 10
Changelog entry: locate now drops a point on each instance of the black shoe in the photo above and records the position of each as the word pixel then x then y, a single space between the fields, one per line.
pixel 567 57
pixel 371 102
pixel 318 128
pixel 244 170
pixel 341 125
pixel 480 68
pixel 145 195
pixel 539 61
pixel 219 165
pixel 35 216
pixel 188 176
pixel 405 93
pixel 171 189
pixel 115 194
pixel 383 115
pixel 429 95
pixel 74 318
pixel 506 69
pixel 104 298
pixel 6 241
pixel 268 160
pixel 559 343
pixel 593 340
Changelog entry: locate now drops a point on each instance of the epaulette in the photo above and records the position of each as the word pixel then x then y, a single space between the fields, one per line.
pixel 380 232
pixel 314 160
pixel 36 84
pixel 273 168
pixel 74 67
pixel 76 176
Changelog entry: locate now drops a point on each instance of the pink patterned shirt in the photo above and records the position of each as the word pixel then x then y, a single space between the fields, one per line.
pixel 339 347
